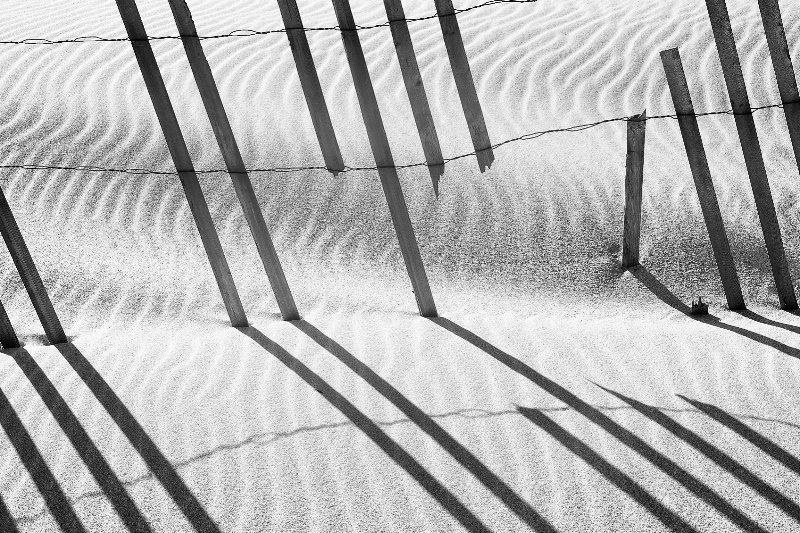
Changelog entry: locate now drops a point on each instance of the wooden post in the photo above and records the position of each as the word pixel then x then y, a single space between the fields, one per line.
pixel 30 276
pixel 383 159
pixel 634 173
pixel 181 158
pixel 748 137
pixel 8 337
pixel 309 81
pixel 233 158
pixel 464 83
pixel 784 72
pixel 415 89
pixel 693 142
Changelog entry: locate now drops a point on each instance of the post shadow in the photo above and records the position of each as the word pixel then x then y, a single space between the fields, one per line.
pixel 54 497
pixel 406 461
pixel 757 439
pixel 108 481
pixel 720 458
pixel 465 458
pixel 662 293
pixel 7 523
pixel 628 438
pixel 613 474
pixel 755 317
pixel 159 465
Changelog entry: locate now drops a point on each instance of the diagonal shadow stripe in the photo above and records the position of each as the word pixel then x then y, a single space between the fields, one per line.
pixel 629 439
pixel 461 454
pixel 7 523
pixel 719 457
pixel 191 508
pixel 438 491
pixel 621 480
pixel 757 439
pixel 83 444
pixel 42 476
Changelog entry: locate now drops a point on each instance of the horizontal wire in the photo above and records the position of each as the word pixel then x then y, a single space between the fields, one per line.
pixel 251 33
pixel 347 168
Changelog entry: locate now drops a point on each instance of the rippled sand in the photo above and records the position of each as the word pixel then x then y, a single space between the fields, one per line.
pixel 365 416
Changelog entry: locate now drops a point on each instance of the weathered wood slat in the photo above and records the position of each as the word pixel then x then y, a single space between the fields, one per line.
pixel 415 89
pixel 698 163
pixel 634 173
pixel 30 276
pixel 383 159
pixel 8 337
pixel 784 71
pixel 465 83
pixel 754 161
pixel 181 158
pixel 233 158
pixel 309 81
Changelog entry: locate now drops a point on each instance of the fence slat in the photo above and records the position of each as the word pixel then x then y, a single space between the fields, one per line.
pixel 309 82
pixel 634 174
pixel 8 337
pixel 754 161
pixel 784 71
pixel 698 163
pixel 181 158
pixel 415 89
pixel 233 158
pixel 465 83
pixel 30 276
pixel 383 159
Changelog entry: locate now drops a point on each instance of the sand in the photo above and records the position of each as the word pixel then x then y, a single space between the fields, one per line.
pixel 557 391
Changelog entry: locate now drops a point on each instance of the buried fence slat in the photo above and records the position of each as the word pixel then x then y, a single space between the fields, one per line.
pixel 784 72
pixel 698 163
pixel 30 276
pixel 465 84
pixel 233 158
pixel 634 167
pixel 309 82
pixel 379 144
pixel 181 158
pixel 754 161
pixel 8 337
pixel 415 89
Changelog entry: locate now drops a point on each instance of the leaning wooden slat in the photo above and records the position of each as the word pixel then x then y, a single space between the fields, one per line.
pixel 180 157
pixel 309 81
pixel 465 83
pixel 30 276
pixel 754 161
pixel 698 163
pixel 8 337
pixel 233 158
pixel 634 169
pixel 416 90
pixel 383 159
pixel 784 71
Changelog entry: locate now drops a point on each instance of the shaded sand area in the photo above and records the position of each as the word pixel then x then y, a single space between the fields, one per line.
pixel 557 391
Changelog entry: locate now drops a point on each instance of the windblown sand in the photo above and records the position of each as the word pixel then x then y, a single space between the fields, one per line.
pixel 557 390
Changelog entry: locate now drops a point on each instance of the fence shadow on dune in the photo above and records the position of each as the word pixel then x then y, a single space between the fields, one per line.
pixel 665 295
pixel 622 434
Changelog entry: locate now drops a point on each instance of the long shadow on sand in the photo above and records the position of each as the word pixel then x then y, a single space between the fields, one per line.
pixel 439 492
pixel 720 458
pixel 664 294
pixel 158 464
pixel 757 439
pixel 461 454
pixel 629 439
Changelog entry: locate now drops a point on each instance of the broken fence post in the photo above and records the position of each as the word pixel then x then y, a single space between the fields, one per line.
pixel 634 166
pixel 465 83
pixel 181 158
pixel 416 90
pixel 748 137
pixel 384 160
pixel 233 158
pixel 684 109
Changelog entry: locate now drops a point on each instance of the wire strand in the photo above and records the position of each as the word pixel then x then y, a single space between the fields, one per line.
pixel 347 168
